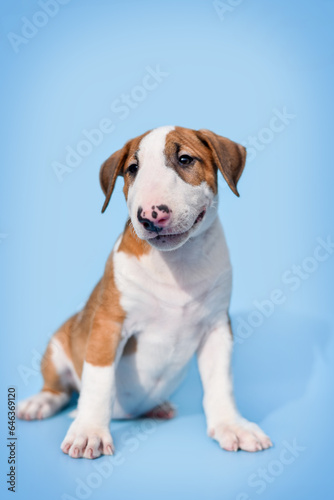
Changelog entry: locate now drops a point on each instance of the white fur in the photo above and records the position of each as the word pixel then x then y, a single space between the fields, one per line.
pixel 89 434
pixel 176 304
pixel 41 405
pixel 156 184
pixel 223 420
pixel 171 300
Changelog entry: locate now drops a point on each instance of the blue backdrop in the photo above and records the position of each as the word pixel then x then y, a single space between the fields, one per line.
pixel 79 79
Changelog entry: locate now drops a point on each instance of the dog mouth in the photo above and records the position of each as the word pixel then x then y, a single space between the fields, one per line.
pixel 176 237
pixel 200 217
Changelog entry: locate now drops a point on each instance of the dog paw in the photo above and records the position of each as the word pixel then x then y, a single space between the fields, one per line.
pixel 241 435
pixel 41 405
pixel 87 441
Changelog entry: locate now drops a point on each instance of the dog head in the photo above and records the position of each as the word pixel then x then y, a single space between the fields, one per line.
pixel 170 181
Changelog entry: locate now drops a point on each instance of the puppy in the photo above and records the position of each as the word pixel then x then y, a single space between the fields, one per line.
pixel 164 297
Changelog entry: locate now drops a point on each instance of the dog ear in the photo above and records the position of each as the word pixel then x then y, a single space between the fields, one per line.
pixel 109 171
pixel 229 156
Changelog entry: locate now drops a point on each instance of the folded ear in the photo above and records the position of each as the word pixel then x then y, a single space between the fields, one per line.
pixel 229 156
pixel 109 171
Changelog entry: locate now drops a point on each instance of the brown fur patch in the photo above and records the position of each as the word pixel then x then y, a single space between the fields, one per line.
pixel 116 165
pixel 80 329
pixel 107 321
pixel 210 153
pixel 93 334
pixel 131 158
pixel 131 244
pixel 52 381
pixel 203 169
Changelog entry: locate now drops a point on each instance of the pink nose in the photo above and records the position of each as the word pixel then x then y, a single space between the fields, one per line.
pixel 154 217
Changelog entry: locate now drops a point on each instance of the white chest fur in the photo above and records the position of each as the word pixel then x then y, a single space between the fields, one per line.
pixel 171 299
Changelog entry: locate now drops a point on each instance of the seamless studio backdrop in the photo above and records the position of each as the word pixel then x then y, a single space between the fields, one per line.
pixel 79 79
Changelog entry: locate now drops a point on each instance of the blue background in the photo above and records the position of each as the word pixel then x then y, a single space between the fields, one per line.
pixel 227 73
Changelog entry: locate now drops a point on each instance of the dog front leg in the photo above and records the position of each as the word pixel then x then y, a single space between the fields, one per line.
pixel 223 419
pixel 89 435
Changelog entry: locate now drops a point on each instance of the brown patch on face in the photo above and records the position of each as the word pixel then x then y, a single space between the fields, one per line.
pixel 131 244
pixel 116 165
pixel 131 346
pixel 202 169
pixel 131 159
pixel 210 152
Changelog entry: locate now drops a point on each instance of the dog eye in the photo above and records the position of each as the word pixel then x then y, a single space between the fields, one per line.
pixel 132 169
pixel 185 159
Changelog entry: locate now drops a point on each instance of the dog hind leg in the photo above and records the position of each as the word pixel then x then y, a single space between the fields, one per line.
pixel 59 376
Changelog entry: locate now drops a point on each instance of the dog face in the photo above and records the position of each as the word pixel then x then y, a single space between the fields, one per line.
pixel 170 181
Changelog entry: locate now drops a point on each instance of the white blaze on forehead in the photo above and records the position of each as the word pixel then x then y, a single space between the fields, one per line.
pixel 154 178
pixel 152 146
pixel 157 183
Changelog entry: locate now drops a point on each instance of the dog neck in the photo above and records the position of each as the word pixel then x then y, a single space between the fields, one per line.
pixel 190 252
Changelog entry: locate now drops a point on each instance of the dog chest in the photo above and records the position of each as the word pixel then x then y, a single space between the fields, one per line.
pixel 170 301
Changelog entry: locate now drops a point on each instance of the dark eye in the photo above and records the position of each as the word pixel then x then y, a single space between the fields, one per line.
pixel 132 169
pixel 185 159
